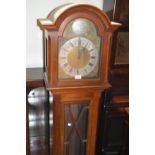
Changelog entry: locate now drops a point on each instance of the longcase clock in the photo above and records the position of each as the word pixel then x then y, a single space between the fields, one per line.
pixel 77 39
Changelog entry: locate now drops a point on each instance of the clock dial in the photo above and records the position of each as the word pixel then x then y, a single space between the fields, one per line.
pixel 78 56
pixel 79 51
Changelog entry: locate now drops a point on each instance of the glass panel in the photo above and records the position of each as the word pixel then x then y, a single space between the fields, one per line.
pixel 76 121
pixel 79 51
pixel 122 48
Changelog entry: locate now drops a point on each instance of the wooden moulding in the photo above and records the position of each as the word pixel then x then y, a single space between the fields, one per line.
pixel 50 24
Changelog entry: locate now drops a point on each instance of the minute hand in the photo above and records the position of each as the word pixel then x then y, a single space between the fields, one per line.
pixel 79 48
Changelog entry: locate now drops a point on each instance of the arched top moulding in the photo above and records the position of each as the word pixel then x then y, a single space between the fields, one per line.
pixel 72 10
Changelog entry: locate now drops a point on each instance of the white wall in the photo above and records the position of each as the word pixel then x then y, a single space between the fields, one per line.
pixel 40 9
pixel 108 5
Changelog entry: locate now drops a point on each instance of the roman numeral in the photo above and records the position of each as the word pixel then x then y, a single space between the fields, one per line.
pixel 71 44
pixel 92 57
pixel 71 69
pixel 66 64
pixel 90 64
pixel 63 57
pixel 86 45
pixel 79 42
pixel 85 70
pixel 65 50
pixel 77 71
pixel 91 50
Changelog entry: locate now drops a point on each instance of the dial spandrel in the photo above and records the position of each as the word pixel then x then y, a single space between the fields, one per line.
pixel 79 51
